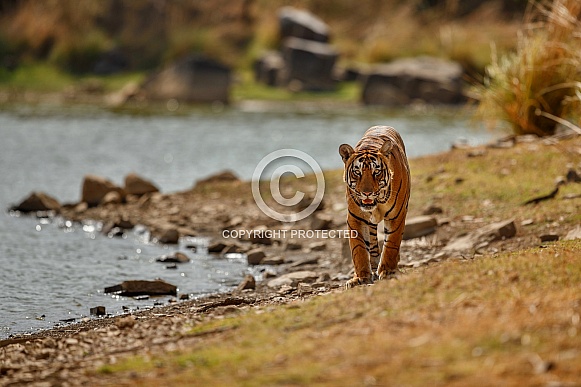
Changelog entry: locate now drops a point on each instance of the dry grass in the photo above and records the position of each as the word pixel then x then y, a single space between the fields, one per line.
pixel 508 319
pixel 539 86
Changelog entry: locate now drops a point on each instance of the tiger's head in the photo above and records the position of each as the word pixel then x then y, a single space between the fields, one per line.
pixel 367 174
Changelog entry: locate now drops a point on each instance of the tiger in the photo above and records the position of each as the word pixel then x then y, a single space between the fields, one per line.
pixel 377 176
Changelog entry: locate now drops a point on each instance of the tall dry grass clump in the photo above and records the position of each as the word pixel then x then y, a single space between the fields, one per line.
pixel 538 87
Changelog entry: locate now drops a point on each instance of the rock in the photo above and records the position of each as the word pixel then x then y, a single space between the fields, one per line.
pixel 192 79
pixel 304 289
pixel 113 197
pixel 419 226
pixel 220 177
pixel 247 283
pixel 304 261
pixel 432 210
pixel 309 65
pixel 176 257
pixel 216 247
pixel 548 238
pixel 137 185
pixel 115 232
pixel 259 235
pixel 293 279
pixel 38 201
pixel 321 222
pixel 486 234
pixel 324 277
pixel 573 234
pixel 272 261
pixel 301 24
pixel 318 246
pixel 111 62
pixel 125 322
pixel 428 79
pixel 142 287
pixel 166 233
pixel 269 69
pixel 572 176
pixel 97 311
pixel 231 248
pixel 128 92
pixel 95 188
pixel 255 256
pixel 292 246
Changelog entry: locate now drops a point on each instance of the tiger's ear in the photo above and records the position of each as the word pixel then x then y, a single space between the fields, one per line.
pixel 386 148
pixel 345 150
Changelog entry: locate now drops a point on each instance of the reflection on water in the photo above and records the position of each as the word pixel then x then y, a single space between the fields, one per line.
pixel 59 271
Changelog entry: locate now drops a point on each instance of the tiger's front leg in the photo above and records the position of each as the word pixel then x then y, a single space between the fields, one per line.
pixel 358 242
pixel 393 234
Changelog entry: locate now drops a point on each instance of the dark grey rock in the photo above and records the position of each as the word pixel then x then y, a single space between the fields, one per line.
pixel 38 201
pixel 176 257
pixel 192 79
pixel 255 256
pixel 302 24
pixel 137 185
pixel 95 188
pixel 419 226
pixel 426 79
pixel 142 287
pixel 269 68
pixel 247 283
pixel 309 65
pixel 98 311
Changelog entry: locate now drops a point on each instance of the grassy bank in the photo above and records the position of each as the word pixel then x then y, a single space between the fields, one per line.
pixel 506 319
pixel 508 316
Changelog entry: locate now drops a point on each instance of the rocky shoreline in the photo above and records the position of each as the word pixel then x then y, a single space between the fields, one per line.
pixel 292 269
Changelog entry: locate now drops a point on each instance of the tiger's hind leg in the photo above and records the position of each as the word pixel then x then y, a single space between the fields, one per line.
pixel 358 243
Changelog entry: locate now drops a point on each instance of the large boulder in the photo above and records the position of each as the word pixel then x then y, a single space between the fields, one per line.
pixel 192 79
pixel 427 79
pixel 302 24
pixel 38 201
pixel 309 65
pixel 137 185
pixel 95 188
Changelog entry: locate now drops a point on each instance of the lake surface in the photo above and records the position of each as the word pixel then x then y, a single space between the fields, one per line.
pixel 53 271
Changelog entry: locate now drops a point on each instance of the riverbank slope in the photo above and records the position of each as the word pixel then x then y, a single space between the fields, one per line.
pixel 502 310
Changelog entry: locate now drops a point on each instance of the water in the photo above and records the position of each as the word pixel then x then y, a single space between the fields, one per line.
pixel 58 270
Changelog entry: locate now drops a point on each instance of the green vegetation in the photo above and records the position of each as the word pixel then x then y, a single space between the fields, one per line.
pixel 72 36
pixel 44 77
pixel 538 86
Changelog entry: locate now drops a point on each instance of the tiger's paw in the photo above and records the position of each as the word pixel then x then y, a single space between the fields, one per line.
pixel 387 274
pixel 356 281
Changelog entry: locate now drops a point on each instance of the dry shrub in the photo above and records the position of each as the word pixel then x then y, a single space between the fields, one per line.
pixel 538 87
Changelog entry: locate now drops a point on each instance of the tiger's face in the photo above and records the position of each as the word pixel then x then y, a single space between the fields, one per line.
pixel 367 176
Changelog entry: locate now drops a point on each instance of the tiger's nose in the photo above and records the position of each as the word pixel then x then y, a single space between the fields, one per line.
pixel 367 193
